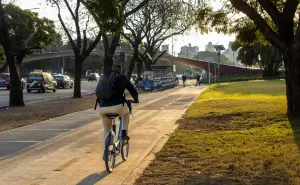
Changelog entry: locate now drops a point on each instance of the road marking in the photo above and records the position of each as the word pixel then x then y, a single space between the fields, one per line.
pixel 20 141
pixel 67 164
pixel 56 98
pixel 45 129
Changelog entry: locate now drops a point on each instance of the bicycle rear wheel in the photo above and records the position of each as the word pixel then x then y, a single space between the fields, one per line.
pixel 110 157
pixel 125 149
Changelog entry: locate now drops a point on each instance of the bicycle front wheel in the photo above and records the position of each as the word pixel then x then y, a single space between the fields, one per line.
pixel 125 149
pixel 110 157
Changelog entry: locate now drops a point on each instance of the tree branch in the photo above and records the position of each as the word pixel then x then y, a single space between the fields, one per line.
pixel 261 24
pixel 290 9
pixel 93 45
pixel 143 3
pixel 84 41
pixel 158 57
pixel 271 9
pixel 74 46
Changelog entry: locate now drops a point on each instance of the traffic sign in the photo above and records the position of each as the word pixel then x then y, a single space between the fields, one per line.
pixel 216 66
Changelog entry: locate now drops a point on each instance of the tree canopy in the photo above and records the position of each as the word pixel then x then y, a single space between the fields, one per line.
pixel 23 23
pixel 277 21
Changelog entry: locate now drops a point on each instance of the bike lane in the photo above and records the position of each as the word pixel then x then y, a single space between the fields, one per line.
pixel 76 157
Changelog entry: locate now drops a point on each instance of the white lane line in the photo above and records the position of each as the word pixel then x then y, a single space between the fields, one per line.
pixel 46 129
pixel 20 141
pixel 56 98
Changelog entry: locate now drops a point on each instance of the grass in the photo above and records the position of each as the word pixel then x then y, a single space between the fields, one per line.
pixel 236 133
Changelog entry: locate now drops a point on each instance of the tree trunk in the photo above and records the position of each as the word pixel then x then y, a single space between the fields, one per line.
pixel 139 67
pixel 77 80
pixel 133 61
pixel 292 78
pixel 148 65
pixel 108 62
pixel 269 71
pixel 16 91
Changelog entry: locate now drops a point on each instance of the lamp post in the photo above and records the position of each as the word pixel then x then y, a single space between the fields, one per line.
pixel 219 48
pixel 233 58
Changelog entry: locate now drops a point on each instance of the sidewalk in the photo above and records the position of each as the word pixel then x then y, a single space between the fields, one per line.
pixel 75 157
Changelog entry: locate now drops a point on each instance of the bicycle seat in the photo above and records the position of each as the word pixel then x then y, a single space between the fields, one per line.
pixel 111 115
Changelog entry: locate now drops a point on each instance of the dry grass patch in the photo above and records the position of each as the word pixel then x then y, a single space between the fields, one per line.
pixel 32 113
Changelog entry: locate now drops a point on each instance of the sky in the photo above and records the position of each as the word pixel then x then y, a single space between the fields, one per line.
pixel 196 39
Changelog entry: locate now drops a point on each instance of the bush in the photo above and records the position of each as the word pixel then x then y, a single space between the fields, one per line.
pixel 242 77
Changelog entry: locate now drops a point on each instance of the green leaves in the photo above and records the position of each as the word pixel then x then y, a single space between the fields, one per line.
pixel 22 23
pixel 106 13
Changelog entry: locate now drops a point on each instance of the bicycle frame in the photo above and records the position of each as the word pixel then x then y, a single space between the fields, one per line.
pixel 119 131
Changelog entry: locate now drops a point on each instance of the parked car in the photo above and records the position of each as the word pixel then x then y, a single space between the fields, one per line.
pixel 93 77
pixel 5 81
pixel 63 81
pixel 40 81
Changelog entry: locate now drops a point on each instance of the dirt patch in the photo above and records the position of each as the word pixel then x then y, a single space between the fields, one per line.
pixel 32 113
pixel 234 121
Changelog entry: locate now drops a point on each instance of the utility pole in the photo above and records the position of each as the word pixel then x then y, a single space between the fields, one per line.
pixel 208 74
pixel 219 48
pixel 233 58
pixel 172 44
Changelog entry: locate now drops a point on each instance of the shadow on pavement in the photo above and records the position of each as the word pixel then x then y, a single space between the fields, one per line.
pixel 93 178
pixel 96 177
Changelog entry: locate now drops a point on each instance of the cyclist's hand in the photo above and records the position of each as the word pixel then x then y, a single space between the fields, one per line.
pixel 136 100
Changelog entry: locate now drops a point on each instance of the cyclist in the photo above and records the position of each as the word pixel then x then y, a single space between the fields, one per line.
pixel 117 105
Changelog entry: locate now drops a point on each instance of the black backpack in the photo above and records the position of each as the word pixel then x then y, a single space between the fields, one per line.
pixel 107 85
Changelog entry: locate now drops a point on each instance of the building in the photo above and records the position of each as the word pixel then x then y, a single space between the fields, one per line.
pixel 210 47
pixel 188 51
pixel 165 48
pixel 230 54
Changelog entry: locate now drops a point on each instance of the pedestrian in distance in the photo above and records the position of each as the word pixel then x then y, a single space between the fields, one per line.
pixel 198 79
pixel 184 80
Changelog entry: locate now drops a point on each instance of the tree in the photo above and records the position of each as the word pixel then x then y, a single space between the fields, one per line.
pixel 21 32
pixel 166 18
pixel 135 24
pixel 110 17
pixel 278 22
pixel 56 45
pixel 267 57
pixel 81 46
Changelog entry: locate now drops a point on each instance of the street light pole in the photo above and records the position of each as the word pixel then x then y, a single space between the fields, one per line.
pixel 233 58
pixel 219 48
pixel 219 53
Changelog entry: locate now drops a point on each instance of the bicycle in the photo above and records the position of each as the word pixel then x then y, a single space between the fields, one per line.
pixel 114 147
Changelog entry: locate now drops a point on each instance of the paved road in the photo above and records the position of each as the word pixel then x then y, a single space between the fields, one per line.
pixel 67 150
pixel 87 87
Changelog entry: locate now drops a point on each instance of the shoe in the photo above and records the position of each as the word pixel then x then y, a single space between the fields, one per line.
pixel 124 135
